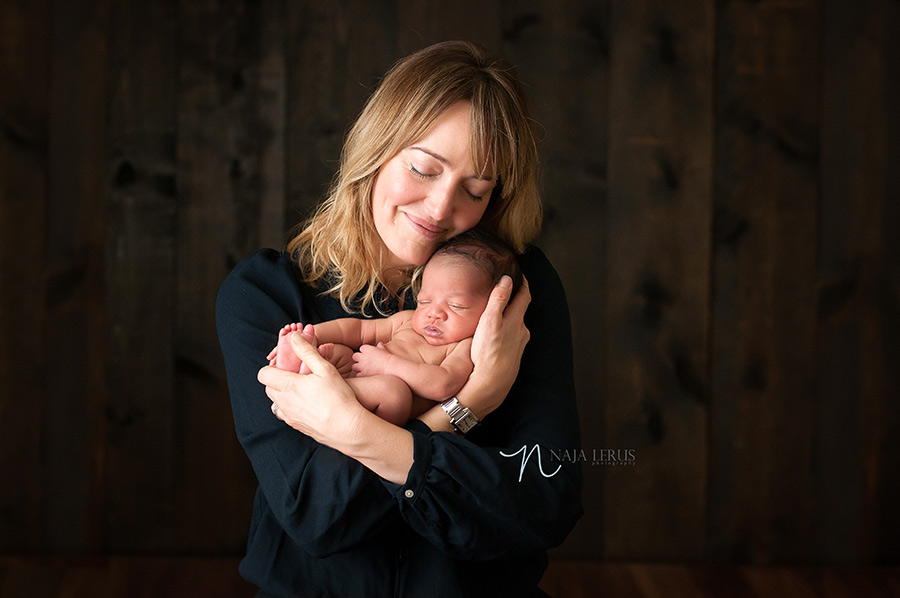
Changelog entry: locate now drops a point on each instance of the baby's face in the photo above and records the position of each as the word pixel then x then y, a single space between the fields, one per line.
pixel 453 295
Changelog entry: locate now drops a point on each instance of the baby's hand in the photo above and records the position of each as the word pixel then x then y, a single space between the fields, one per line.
pixel 371 360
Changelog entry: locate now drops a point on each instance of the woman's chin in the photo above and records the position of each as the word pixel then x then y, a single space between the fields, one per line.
pixel 414 254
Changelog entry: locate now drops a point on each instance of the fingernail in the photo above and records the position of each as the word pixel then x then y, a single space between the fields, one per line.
pixel 505 281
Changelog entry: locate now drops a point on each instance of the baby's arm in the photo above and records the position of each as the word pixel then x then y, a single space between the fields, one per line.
pixel 336 340
pixel 434 382
pixel 355 332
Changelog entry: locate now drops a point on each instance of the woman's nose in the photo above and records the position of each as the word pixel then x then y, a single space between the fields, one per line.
pixel 440 202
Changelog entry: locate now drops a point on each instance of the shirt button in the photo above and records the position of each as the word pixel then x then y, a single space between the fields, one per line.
pixel 409 493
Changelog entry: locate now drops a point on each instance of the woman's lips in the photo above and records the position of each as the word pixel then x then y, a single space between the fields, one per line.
pixel 424 227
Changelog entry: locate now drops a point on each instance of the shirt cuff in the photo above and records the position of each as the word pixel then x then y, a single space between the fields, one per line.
pixel 415 480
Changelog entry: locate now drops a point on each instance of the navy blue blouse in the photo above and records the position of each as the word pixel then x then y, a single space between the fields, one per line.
pixel 475 515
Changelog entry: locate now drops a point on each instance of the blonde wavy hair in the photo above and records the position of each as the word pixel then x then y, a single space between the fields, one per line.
pixel 338 248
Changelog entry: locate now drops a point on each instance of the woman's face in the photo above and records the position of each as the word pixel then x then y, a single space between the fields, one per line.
pixel 430 191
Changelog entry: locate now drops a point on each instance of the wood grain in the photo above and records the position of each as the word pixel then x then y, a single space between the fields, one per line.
pixel 24 195
pixel 230 172
pixel 764 282
pixel 141 254
pixel 657 278
pixel 857 304
pixel 561 50
pixel 721 203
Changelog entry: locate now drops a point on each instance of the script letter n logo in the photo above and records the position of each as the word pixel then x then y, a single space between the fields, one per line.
pixel 526 455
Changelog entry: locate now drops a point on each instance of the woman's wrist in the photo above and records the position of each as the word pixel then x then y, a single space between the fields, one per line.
pixel 437 419
pixel 479 400
pixel 481 397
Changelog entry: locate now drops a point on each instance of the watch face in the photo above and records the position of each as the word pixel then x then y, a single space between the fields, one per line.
pixel 461 418
pixel 465 421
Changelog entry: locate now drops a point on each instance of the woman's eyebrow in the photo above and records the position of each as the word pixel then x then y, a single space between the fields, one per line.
pixel 433 154
pixel 446 162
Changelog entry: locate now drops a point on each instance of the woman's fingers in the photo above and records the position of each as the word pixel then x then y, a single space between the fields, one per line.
pixel 497 346
pixel 502 319
pixel 499 297
pixel 310 356
pixel 274 379
pixel 280 380
pixel 519 303
pixel 491 319
pixel 501 306
pixel 319 404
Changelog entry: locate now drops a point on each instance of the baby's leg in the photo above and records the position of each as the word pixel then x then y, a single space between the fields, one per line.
pixel 285 358
pixel 420 406
pixel 386 396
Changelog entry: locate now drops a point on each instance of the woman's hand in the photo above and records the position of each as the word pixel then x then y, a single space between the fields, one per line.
pixel 318 404
pixel 497 347
pixel 322 406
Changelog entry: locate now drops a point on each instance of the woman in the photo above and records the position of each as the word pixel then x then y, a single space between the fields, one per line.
pixel 349 504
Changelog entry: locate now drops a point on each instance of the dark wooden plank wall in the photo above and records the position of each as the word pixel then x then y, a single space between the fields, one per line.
pixel 721 203
pixel 142 210
pixel 657 285
pixel 23 212
pixel 764 281
pixel 858 347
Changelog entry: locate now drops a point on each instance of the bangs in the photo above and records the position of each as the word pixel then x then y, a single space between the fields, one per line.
pixel 499 140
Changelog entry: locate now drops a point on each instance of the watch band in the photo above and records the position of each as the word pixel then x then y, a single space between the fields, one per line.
pixel 461 418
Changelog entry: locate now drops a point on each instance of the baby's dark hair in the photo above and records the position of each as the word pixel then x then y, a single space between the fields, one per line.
pixel 485 251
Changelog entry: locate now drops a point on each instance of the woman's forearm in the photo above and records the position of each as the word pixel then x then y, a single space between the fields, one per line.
pixel 382 447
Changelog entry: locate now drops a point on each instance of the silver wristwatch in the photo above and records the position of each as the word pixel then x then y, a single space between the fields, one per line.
pixel 462 419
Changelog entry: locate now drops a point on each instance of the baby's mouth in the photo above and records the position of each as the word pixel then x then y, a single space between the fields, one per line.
pixel 433 331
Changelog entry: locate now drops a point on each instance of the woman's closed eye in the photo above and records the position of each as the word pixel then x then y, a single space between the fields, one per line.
pixel 418 173
pixel 474 197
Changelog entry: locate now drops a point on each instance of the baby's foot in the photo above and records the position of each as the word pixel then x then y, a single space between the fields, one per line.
pixel 285 358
